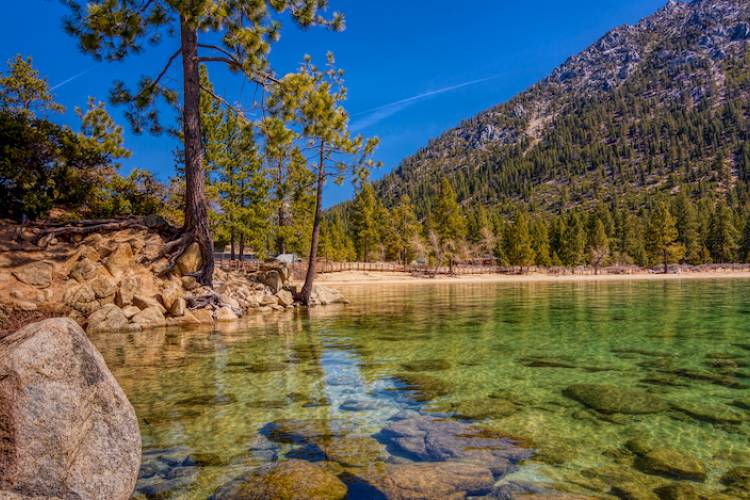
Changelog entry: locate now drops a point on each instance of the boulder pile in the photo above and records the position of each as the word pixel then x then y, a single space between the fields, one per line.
pixel 116 282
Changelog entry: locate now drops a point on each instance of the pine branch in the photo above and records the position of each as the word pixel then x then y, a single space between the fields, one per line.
pixel 210 92
pixel 261 79
pixel 155 83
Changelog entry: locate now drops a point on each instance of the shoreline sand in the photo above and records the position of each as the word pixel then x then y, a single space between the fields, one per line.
pixel 359 278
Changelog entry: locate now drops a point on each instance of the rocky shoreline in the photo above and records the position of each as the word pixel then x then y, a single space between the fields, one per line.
pixel 114 282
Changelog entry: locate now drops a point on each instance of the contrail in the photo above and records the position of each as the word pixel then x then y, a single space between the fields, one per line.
pixel 427 94
pixel 382 112
pixel 74 77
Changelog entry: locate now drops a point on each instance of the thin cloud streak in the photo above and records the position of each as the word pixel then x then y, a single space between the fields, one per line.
pixel 380 113
pixel 72 78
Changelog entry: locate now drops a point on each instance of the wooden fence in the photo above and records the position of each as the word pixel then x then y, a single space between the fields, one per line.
pixel 324 266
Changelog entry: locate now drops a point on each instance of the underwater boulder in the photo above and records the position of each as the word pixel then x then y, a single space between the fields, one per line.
pixel 609 399
pixel 671 463
pixel 291 480
pixel 714 413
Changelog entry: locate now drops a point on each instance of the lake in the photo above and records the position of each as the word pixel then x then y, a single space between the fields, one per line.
pixel 579 387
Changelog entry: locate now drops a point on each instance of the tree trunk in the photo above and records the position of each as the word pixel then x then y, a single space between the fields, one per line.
pixel 196 206
pixel 310 277
pixel 242 247
pixel 666 262
pixel 280 196
pixel 232 243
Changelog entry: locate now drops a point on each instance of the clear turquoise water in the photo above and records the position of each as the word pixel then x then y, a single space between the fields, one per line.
pixel 204 399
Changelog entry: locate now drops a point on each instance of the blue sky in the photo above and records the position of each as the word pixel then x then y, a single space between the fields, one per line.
pixel 414 68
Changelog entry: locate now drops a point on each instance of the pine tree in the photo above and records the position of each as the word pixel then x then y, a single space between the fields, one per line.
pixel 520 251
pixel 365 221
pixel 598 246
pixel 405 230
pixel 449 224
pixel 283 158
pixel 449 221
pixel 23 91
pixel 663 239
pixel 744 255
pixel 723 236
pixel 541 242
pixel 573 242
pixel 688 228
pixel 311 100
pixel 114 30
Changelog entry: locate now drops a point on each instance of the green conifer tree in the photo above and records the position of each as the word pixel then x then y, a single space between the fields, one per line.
pixel 520 251
pixel 365 221
pixel 663 238
pixel 598 246
pixel 723 236
pixel 236 34
pixel 312 101
pixel 23 91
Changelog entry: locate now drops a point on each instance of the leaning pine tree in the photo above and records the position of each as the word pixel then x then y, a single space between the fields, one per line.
pixel 310 101
pixel 235 33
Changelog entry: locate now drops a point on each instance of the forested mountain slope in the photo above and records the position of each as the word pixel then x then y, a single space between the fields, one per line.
pixel 659 107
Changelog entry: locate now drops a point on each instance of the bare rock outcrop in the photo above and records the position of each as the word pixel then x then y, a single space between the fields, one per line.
pixel 67 429
pixel 120 283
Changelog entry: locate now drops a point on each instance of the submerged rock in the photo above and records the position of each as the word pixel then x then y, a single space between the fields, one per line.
pixel 354 451
pixel 671 463
pixel 425 387
pixel 610 399
pixel 292 480
pixel 633 490
pixel 548 362
pixel 679 491
pixel 426 365
pixel 433 439
pixel 479 409
pixel 639 446
pixel 737 479
pixel 443 480
pixel 66 428
pixel 306 431
pixel 714 413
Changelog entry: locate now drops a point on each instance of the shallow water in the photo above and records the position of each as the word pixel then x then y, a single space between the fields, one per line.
pixel 495 357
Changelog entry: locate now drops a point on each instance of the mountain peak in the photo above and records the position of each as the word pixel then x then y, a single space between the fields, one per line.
pixel 685 56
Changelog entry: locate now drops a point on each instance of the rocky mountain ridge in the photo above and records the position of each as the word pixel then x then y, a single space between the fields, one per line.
pixel 681 55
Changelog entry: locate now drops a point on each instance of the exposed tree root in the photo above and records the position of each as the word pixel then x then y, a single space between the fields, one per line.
pixel 51 230
pixel 203 301
pixel 174 249
pixel 178 240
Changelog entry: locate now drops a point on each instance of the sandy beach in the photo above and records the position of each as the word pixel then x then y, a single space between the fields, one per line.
pixel 358 278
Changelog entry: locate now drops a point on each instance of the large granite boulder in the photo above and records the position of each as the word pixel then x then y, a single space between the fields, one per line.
pixel 66 428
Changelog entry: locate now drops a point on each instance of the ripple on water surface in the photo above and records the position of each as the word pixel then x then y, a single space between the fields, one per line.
pixel 628 389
